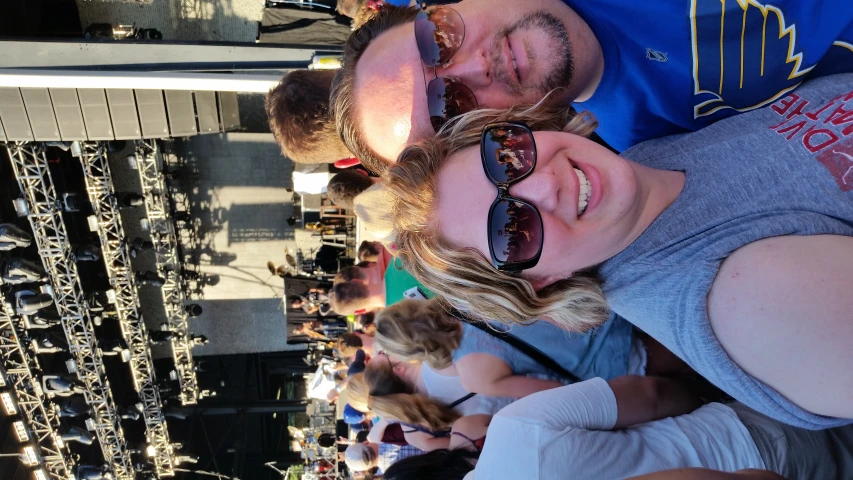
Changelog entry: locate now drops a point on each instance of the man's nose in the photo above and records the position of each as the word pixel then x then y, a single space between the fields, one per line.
pixel 473 69
pixel 541 189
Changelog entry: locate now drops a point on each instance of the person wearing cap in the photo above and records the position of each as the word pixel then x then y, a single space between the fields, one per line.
pixel 361 457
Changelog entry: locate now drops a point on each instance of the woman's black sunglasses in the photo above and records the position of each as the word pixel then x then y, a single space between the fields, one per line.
pixel 439 32
pixel 515 227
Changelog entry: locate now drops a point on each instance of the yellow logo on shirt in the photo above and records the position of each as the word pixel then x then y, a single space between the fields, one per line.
pixel 741 47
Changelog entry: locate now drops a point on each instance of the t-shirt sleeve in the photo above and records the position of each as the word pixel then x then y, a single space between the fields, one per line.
pixel 590 405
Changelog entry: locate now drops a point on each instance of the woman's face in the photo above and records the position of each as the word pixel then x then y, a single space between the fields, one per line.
pixel 571 241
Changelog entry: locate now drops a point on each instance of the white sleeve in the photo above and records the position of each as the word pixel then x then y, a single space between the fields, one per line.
pixel 590 405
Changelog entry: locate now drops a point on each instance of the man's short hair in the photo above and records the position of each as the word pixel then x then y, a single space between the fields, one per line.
pixel 348 343
pixel 349 297
pixel 368 251
pixel 343 98
pixel 344 187
pixel 299 117
pixel 348 274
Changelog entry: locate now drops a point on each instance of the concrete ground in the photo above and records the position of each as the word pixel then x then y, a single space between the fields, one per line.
pixel 241 204
pixel 184 20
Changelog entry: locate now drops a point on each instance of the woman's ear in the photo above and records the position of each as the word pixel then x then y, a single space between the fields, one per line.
pixel 538 283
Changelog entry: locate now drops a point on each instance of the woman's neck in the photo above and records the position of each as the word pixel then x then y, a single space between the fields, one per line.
pixel 658 189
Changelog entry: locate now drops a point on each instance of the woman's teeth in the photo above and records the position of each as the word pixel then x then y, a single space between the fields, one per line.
pixel 583 192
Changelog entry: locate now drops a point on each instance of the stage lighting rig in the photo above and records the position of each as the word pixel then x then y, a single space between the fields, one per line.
pixel 116 255
pixel 49 232
pixel 37 425
pixel 158 221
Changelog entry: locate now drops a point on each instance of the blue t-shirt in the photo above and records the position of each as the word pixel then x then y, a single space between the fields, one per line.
pixel 601 352
pixel 673 66
pixel 786 169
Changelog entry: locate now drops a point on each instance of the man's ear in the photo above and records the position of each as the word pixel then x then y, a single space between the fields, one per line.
pixel 538 283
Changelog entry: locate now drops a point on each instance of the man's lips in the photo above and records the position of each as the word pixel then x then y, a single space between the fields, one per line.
pixel 509 68
pixel 519 54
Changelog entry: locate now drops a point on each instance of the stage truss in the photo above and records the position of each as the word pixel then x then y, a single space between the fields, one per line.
pixel 168 265
pixel 116 258
pixel 45 217
pixel 39 418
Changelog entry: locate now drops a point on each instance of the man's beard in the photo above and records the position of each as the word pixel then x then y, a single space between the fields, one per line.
pixel 561 73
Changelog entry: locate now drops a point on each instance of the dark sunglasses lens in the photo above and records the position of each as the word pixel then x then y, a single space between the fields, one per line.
pixel 509 152
pixel 446 99
pixel 516 231
pixel 439 32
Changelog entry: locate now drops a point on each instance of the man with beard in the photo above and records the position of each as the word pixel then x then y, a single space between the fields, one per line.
pixel 645 69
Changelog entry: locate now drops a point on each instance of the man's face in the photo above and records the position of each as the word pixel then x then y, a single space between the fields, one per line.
pixel 513 53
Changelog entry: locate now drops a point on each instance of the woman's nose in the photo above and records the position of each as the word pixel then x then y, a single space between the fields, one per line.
pixel 474 69
pixel 541 189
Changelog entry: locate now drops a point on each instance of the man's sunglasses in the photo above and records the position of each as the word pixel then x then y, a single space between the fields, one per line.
pixel 515 226
pixel 439 32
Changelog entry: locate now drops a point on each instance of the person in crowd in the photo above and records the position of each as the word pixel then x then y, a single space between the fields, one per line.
pixel 309 330
pixel 425 402
pixel 619 429
pixel 361 457
pixel 298 113
pixel 316 300
pixel 349 298
pixel 369 251
pixel 720 266
pixel 348 342
pixel 422 331
pixel 372 207
pixel 646 69
pixel 362 271
pixel 346 185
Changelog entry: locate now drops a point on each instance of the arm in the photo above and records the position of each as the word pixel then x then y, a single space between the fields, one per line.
pixel 780 308
pixel 473 427
pixel 644 399
pixel 703 474
pixel 425 441
pixel 378 430
pixel 489 375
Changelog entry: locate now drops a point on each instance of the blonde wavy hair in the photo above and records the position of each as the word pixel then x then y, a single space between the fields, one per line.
pixel 416 330
pixel 465 278
pixel 380 391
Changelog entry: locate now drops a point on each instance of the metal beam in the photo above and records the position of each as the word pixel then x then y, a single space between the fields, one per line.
pixel 99 187
pixel 39 416
pixel 168 264
pixel 34 179
pixel 159 55
pixel 200 82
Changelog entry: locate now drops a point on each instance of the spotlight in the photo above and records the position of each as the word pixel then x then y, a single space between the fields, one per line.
pixel 8 403
pixel 39 474
pixel 2 377
pixel 21 431
pixel 11 236
pixel 29 456
pixel 76 434
pixel 150 450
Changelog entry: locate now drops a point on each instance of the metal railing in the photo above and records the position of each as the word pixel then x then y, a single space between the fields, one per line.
pixel 45 217
pixel 39 418
pixel 168 265
pixel 114 247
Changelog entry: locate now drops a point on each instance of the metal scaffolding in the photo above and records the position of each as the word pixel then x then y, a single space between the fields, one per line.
pixel 168 265
pixel 114 248
pixel 40 422
pixel 36 183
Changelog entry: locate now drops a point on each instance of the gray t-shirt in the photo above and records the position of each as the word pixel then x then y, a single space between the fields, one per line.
pixel 786 169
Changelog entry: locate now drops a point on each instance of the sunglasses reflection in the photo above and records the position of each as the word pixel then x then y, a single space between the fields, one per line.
pixel 519 238
pixel 448 32
pixel 513 151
